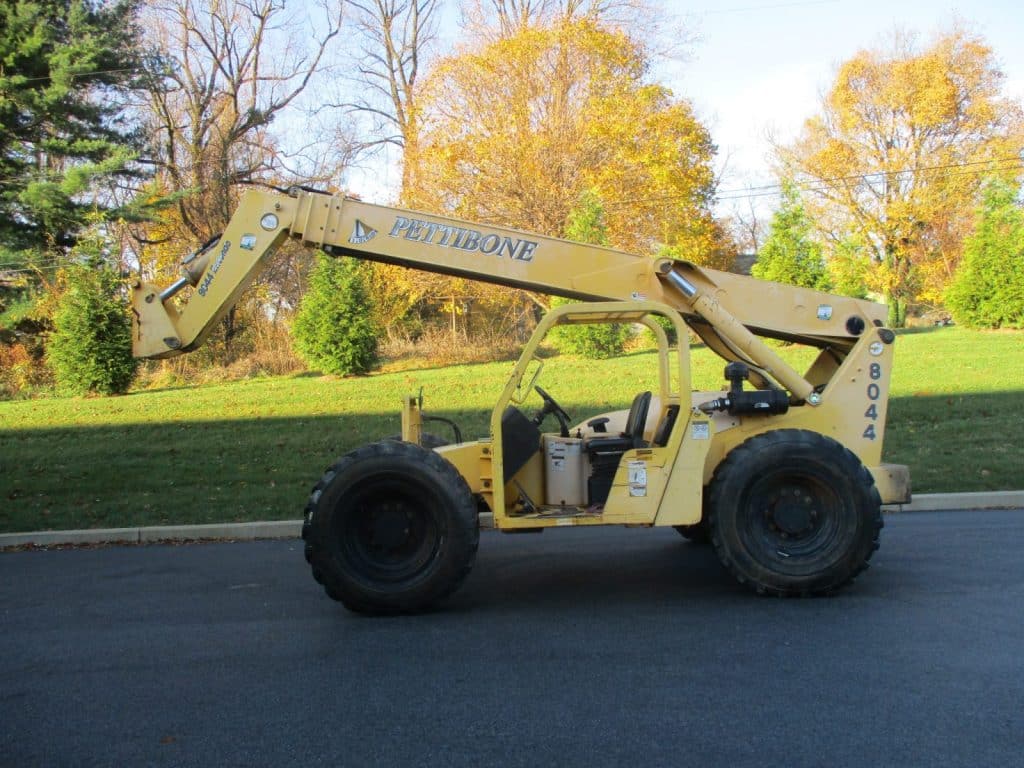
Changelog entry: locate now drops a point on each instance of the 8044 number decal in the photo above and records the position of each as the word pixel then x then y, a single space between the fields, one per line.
pixel 874 393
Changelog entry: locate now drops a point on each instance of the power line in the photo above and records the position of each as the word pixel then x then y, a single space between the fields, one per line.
pixel 78 74
pixel 818 185
pixel 748 8
pixel 901 171
pixel 29 270
pixel 54 177
pixel 30 264
pixel 811 185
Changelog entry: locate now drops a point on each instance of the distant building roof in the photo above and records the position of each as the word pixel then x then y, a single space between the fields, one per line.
pixel 743 263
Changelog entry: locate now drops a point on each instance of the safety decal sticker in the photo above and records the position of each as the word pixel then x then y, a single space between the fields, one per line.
pixel 638 478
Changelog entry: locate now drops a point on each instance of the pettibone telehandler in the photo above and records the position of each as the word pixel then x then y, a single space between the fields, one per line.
pixel 781 470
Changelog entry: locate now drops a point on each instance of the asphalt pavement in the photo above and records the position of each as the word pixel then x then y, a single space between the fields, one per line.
pixel 599 647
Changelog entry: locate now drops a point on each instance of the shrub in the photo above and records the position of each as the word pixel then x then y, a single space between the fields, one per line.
pixel 988 288
pixel 89 350
pixel 596 341
pixel 790 254
pixel 586 225
pixel 333 330
pixel 21 373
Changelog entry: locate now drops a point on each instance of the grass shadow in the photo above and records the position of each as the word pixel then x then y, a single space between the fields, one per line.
pixel 179 472
pixel 958 442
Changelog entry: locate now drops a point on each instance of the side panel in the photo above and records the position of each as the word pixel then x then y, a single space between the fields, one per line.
pixel 638 487
pixel 853 410
pixel 684 493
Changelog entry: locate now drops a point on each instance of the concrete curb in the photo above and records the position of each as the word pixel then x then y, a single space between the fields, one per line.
pixel 941 502
pixel 280 529
pixel 292 529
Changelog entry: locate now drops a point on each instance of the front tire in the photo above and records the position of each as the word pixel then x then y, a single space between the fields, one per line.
pixel 427 440
pixel 792 512
pixel 391 528
pixel 696 533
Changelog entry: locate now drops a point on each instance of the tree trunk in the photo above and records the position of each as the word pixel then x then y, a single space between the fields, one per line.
pixel 897 311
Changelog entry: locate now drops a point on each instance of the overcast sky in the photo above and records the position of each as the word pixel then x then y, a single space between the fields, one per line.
pixel 756 66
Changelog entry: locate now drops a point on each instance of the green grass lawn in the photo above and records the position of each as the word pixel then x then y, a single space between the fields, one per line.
pixel 251 450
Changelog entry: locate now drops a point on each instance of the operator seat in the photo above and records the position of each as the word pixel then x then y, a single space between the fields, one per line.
pixel 664 429
pixel 606 452
pixel 632 436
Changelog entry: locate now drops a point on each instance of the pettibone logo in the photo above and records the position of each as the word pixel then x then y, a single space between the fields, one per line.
pixel 448 236
pixel 361 233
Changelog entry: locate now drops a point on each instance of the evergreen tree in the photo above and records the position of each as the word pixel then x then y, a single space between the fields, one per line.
pixel 988 289
pixel 333 331
pixel 63 66
pixel 790 254
pixel 849 267
pixel 89 350
pixel 586 225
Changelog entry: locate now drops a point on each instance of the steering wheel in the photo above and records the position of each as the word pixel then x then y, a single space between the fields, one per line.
pixel 550 406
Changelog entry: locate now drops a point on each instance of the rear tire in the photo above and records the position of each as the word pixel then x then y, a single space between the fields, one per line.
pixel 794 513
pixel 391 528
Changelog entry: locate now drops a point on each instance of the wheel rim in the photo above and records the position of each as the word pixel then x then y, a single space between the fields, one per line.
pixel 389 529
pixel 792 522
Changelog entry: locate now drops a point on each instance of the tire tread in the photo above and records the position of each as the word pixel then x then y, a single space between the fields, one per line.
pixel 745 454
pixel 453 485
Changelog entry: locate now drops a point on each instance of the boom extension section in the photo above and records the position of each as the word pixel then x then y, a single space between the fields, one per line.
pixel 728 311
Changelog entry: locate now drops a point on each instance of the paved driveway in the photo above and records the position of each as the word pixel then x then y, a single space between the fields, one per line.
pixel 589 647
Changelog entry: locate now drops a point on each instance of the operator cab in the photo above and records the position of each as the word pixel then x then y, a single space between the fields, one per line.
pixel 608 458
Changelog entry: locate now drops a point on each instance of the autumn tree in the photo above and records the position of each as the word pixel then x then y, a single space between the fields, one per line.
pixel 988 290
pixel 516 130
pixel 897 153
pixel 791 254
pixel 394 47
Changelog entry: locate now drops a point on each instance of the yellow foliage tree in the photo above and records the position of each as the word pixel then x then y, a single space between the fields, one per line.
pixel 895 158
pixel 516 129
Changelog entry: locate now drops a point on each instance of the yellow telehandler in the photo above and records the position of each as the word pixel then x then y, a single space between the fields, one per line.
pixel 781 470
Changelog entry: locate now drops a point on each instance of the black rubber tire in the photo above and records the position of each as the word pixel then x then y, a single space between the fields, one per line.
pixel 696 533
pixel 428 439
pixel 391 528
pixel 793 513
